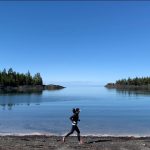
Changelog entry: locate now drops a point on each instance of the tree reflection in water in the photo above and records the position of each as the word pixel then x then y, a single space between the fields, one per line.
pixel 10 100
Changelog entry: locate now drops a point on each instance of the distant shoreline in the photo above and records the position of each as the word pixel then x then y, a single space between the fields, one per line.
pixel 29 88
pixel 127 87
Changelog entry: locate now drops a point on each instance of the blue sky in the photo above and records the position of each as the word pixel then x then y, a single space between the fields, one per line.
pixel 95 42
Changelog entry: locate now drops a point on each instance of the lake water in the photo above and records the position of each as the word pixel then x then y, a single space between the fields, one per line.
pixel 104 112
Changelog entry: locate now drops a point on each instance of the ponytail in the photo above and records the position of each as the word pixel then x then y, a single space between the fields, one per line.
pixel 73 110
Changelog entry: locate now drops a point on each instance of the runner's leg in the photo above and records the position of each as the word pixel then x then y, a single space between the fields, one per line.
pixel 71 131
pixel 78 132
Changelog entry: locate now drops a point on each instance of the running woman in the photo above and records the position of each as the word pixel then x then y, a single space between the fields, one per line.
pixel 74 119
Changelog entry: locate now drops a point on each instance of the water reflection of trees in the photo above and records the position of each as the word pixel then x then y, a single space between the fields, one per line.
pixel 133 92
pixel 31 92
pixel 10 106
pixel 8 101
pixel 7 106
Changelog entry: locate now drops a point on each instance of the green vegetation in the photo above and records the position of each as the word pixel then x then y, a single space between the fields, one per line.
pixel 12 78
pixel 135 81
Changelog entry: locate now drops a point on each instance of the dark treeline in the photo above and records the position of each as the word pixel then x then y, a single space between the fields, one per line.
pixel 134 81
pixel 12 78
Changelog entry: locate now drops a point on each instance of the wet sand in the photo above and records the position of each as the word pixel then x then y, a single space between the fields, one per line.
pixel 90 143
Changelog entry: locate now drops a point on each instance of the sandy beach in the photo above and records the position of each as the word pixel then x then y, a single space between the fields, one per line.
pixel 36 142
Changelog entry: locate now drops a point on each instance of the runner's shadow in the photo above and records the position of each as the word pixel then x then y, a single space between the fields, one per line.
pixel 98 141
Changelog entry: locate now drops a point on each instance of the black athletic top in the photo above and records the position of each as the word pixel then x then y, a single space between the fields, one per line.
pixel 74 118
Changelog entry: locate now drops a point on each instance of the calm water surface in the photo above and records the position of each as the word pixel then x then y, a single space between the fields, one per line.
pixel 104 112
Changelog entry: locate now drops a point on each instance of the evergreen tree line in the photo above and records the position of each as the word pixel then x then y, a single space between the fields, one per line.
pixel 134 81
pixel 12 78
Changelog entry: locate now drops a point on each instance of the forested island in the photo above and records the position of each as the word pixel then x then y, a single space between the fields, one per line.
pixel 136 83
pixel 12 81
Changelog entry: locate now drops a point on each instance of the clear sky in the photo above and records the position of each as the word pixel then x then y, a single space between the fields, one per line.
pixel 76 41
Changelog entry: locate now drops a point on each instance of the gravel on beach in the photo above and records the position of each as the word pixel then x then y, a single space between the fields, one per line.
pixel 41 142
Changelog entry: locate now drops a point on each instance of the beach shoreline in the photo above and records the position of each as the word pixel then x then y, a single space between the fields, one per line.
pixel 89 142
